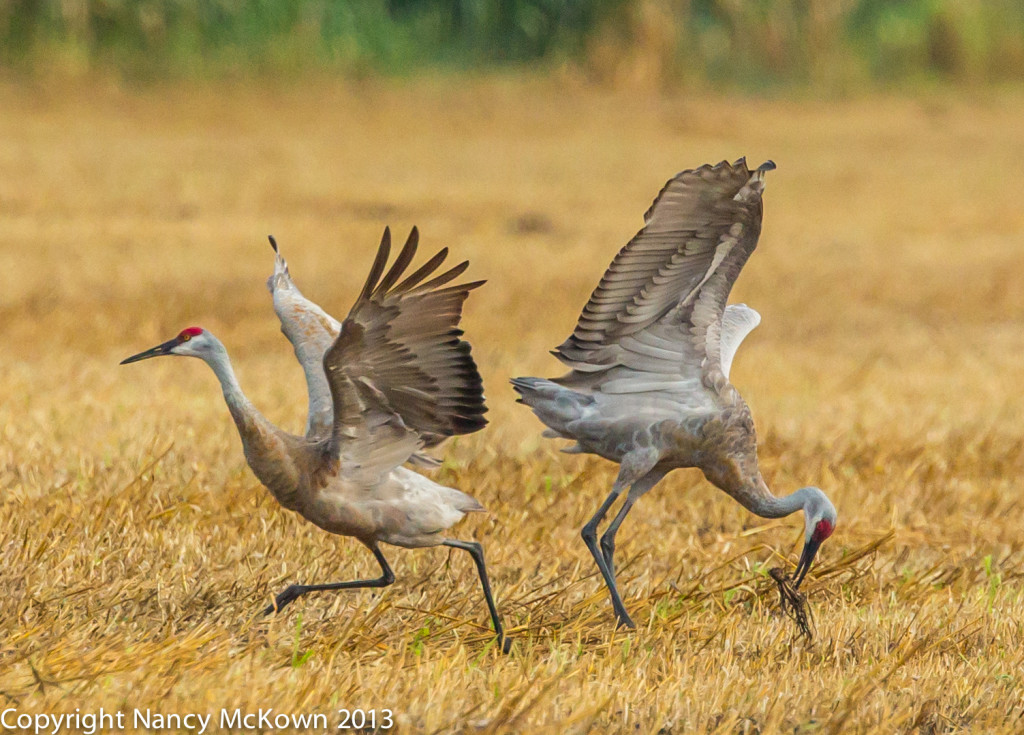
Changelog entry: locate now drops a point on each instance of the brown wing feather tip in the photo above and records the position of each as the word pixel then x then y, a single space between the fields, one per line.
pixel 383 252
pixel 458 287
pixel 423 271
pixel 449 275
pixel 398 267
pixel 768 165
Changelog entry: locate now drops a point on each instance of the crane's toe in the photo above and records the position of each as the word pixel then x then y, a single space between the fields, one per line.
pixel 290 594
pixel 624 621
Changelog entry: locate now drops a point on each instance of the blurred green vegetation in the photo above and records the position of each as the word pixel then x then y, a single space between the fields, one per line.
pixel 745 43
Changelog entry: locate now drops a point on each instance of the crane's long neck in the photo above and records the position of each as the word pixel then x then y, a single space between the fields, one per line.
pixel 763 503
pixel 263 443
pixel 246 417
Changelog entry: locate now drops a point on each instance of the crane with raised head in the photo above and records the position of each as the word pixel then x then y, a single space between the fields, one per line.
pixel 649 360
pixel 393 378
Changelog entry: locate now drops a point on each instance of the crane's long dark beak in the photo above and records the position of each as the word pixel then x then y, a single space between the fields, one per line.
pixel 806 559
pixel 164 349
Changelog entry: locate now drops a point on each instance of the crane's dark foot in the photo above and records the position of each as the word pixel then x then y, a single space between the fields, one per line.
pixel 506 644
pixel 292 593
pixel 624 621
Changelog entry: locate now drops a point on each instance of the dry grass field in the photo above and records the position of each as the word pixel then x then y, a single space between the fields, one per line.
pixel 137 548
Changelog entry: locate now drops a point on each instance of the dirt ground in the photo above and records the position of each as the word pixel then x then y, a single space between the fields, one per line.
pixel 138 548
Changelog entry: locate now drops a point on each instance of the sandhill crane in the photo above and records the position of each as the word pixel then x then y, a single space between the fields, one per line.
pixel 649 361
pixel 393 378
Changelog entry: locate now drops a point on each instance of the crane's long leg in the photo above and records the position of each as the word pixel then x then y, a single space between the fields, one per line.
pixel 296 591
pixel 608 537
pixel 634 467
pixel 589 534
pixel 639 487
pixel 477 552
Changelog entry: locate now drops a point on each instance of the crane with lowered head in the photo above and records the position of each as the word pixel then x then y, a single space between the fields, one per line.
pixel 649 363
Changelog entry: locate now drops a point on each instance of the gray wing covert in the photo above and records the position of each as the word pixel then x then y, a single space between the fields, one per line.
pixel 368 439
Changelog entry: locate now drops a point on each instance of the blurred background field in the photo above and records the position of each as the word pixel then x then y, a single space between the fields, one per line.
pixel 140 179
pixel 835 45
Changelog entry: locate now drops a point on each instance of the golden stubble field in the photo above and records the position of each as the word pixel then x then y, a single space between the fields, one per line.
pixel 137 548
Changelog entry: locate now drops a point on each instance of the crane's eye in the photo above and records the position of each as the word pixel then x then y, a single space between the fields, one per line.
pixel 185 337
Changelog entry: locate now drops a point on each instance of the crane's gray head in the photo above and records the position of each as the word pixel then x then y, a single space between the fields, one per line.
pixel 193 342
pixel 819 523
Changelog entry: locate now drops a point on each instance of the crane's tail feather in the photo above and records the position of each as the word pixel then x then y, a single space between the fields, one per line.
pixel 463 502
pixel 555 405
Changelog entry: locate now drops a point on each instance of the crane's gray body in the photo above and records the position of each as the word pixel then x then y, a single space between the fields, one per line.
pixel 664 432
pixel 370 496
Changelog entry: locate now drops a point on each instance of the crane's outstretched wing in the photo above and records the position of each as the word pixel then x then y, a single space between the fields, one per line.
pixel 311 331
pixel 399 353
pixel 658 309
